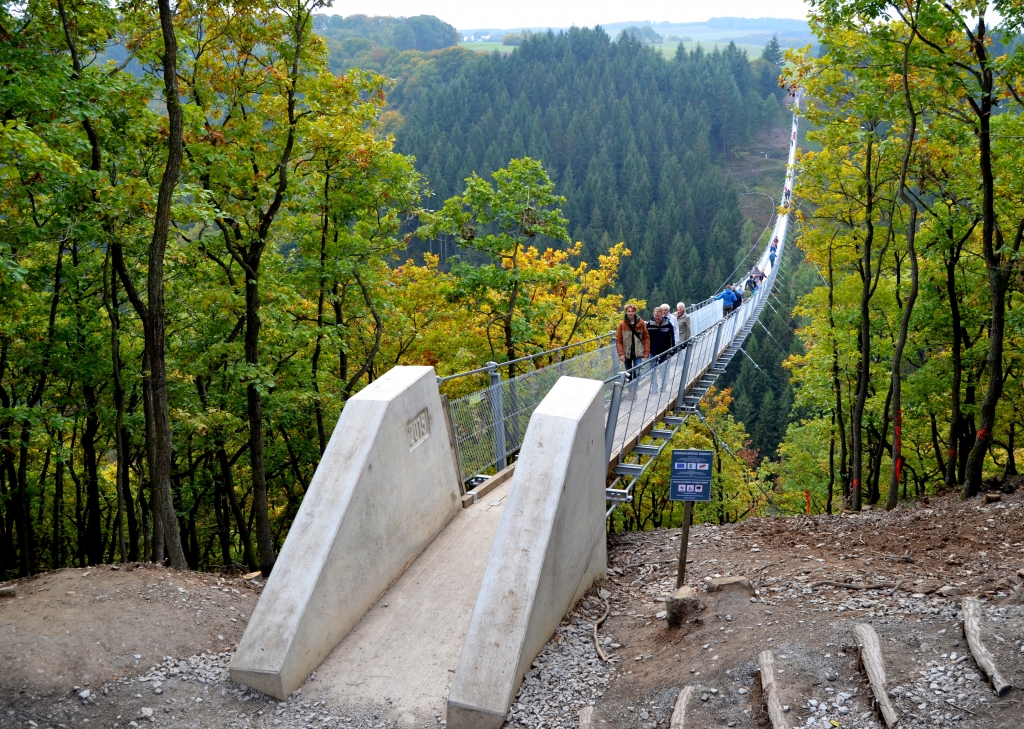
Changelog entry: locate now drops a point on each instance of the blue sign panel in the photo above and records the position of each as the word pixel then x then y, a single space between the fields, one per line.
pixel 691 475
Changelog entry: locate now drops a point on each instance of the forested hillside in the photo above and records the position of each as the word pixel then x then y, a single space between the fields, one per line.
pixel 363 41
pixel 633 141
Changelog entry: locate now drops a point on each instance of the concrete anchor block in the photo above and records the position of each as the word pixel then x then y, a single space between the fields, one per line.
pixel 385 487
pixel 548 550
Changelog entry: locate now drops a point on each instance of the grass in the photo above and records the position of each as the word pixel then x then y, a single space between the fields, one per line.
pixel 486 46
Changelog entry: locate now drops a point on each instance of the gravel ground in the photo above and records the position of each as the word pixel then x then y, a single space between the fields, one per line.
pixel 920 568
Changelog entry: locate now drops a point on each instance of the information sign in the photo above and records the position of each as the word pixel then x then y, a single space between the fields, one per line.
pixel 691 475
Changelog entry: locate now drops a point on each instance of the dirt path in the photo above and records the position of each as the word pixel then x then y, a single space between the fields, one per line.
pixel 149 644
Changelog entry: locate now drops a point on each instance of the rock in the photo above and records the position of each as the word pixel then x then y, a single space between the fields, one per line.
pixel 604 593
pixel 9 591
pixel 949 591
pixel 84 695
pixel 736 582
pixel 146 712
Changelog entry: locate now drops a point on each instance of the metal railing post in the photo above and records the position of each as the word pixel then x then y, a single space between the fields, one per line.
pixel 682 379
pixel 498 413
pixel 615 354
pixel 718 339
pixel 613 415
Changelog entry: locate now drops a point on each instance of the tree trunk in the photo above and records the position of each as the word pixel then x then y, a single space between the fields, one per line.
pixel 161 447
pixel 998 279
pixel 837 413
pixel 93 527
pixel 254 401
pixel 57 548
pixel 1011 460
pixel 864 343
pixel 897 360
pixel 956 354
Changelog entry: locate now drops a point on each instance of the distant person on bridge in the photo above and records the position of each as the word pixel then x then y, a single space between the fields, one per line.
pixel 683 323
pixel 632 340
pixel 729 300
pixel 662 339
pixel 667 313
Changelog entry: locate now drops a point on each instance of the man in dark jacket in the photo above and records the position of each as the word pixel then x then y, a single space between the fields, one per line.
pixel 662 339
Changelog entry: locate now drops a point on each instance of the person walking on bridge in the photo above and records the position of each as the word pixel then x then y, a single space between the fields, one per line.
pixel 729 300
pixel 632 340
pixel 667 313
pixel 662 340
pixel 683 324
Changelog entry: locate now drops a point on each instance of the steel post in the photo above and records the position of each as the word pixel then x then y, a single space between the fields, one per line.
pixel 615 354
pixel 687 353
pixel 498 413
pixel 613 415
pixel 718 340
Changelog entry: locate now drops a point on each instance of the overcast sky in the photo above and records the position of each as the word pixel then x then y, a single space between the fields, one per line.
pixel 548 13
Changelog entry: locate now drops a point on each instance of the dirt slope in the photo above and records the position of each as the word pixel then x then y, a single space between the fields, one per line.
pixel 79 630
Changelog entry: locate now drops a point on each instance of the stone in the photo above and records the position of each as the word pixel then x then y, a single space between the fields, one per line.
pixel 9 591
pixel 84 695
pixel 949 591
pixel 736 582
pixel 146 712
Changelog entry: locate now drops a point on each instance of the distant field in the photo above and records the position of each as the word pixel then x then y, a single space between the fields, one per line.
pixel 487 46
pixel 667 49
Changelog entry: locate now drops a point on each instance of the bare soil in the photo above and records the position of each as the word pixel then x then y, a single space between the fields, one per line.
pixel 151 644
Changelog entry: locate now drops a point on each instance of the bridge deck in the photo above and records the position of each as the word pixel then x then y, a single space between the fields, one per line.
pixel 407 651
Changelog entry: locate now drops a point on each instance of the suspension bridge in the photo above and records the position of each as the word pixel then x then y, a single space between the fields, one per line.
pixel 412 578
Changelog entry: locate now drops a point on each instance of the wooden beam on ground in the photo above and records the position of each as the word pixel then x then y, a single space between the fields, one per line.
pixel 971 608
pixel 766 662
pixel 874 667
pixel 471 497
pixel 679 710
pixel 586 717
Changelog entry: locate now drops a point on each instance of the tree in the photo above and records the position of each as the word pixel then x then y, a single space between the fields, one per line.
pixel 500 221
pixel 772 51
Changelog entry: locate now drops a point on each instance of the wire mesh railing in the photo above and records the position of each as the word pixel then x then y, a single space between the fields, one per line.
pixel 511 402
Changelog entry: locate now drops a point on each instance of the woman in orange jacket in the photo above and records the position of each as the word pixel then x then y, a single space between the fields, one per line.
pixel 632 340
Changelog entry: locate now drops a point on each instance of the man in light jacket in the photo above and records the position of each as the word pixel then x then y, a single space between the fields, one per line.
pixel 682 323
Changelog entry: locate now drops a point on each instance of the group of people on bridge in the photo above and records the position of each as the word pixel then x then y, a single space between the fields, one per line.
pixel 637 340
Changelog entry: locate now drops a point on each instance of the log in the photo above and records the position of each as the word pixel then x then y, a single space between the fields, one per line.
pixel 9 591
pixel 586 717
pixel 971 608
pixel 874 667
pixel 766 662
pixel 679 710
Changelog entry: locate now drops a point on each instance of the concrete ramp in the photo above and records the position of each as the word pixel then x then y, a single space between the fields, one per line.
pixel 385 488
pixel 548 550
pixel 401 657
